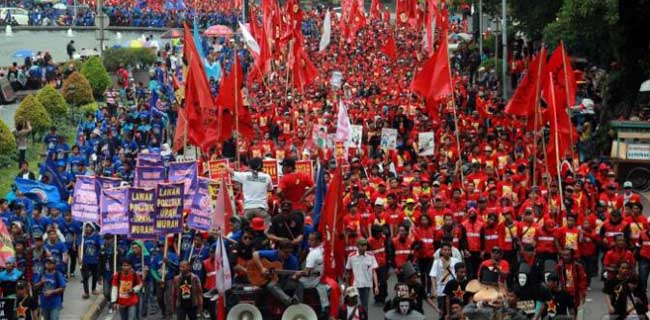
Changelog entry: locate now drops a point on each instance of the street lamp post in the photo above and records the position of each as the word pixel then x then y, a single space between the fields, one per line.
pixel 504 49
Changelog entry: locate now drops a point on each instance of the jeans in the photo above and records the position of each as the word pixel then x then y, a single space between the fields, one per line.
pixel 644 271
pixel 164 297
pixel 189 313
pixel 51 314
pixel 144 297
pixel 364 294
pixel 279 290
pixel 21 157
pixel 424 265
pixel 591 267
pixel 87 271
pixel 128 312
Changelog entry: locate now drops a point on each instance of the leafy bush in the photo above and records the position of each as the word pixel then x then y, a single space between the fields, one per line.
pixel 53 102
pixel 76 64
pixel 77 90
pixel 89 108
pixel 94 71
pixel 32 110
pixel 133 57
pixel 7 140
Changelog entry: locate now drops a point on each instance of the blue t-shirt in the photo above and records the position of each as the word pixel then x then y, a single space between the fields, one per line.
pixel 51 141
pixel 291 263
pixel 56 250
pixel 187 237
pixel 136 262
pixel 172 264
pixel 39 225
pixel 69 230
pixel 54 280
pixel 198 255
pixel 92 246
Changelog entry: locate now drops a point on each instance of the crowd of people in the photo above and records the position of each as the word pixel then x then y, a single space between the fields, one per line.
pixel 480 227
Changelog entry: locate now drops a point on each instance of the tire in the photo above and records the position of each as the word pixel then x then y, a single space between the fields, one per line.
pixel 640 178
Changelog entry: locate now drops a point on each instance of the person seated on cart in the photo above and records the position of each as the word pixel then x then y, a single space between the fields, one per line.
pixel 287 280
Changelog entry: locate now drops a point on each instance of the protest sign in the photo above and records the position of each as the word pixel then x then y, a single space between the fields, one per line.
pixel 85 203
pixel 270 166
pixel 305 166
pixel 149 160
pixel 219 169
pixel 7 307
pixel 186 172
pixel 148 177
pixel 114 208
pixel 319 135
pixel 108 182
pixel 426 143
pixel 356 135
pixel 142 206
pixel 388 138
pixel 169 208
pixel 199 217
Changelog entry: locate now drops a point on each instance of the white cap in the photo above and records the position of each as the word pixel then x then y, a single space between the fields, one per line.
pixel 627 184
pixel 379 202
pixel 351 292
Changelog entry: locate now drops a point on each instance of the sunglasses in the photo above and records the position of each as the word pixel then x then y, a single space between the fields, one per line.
pixel 247 238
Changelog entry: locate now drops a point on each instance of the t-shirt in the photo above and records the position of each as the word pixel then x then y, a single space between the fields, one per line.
pixel 559 304
pixel 293 186
pixel 92 245
pixel 291 263
pixel 290 228
pixel 456 289
pixel 255 185
pixel 314 261
pixel 124 285
pixel 185 287
pixel 362 267
pixel 24 308
pixel 56 250
pixel 443 273
pixel 53 280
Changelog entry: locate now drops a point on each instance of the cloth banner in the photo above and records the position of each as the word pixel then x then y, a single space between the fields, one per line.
pixel 169 208
pixel 148 177
pixel 186 172
pixel 142 206
pixel 148 160
pixel 114 208
pixel 108 182
pixel 200 217
pixel 85 203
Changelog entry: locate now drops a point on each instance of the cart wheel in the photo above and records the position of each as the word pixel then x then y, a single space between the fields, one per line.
pixel 640 178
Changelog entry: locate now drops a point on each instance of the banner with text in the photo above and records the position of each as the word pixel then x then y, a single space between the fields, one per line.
pixel 85 203
pixel 148 177
pixel 186 172
pixel 142 206
pixel 114 204
pixel 200 215
pixel 169 208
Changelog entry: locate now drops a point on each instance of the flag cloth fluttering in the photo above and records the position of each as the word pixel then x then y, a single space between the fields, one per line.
pixel 523 101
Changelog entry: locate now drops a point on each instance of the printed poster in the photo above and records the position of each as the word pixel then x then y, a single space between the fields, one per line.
pixel 305 166
pixel 270 166
pixel 115 211
pixel 426 143
pixel 388 138
pixel 169 208
pixel 148 177
pixel 199 217
pixel 356 136
pixel 186 172
pixel 142 208
pixel 85 203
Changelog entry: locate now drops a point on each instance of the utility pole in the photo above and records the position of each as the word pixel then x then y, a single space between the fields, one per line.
pixel 504 42
pixel 101 23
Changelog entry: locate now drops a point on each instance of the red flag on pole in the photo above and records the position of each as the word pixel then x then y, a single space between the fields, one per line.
pixel 303 70
pixel 434 80
pixel 390 48
pixel 523 100
pixel 563 75
pixel 331 224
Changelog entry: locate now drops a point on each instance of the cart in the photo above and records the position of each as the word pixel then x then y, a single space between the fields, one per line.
pixel 631 153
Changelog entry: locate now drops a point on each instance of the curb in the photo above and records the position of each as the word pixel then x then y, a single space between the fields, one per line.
pixel 95 308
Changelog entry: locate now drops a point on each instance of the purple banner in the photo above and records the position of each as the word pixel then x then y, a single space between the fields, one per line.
pixel 114 206
pixel 107 182
pixel 149 160
pixel 85 204
pixel 142 206
pixel 148 177
pixel 199 217
pixel 186 172
pixel 169 208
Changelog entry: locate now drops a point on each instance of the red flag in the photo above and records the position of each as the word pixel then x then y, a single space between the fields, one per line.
pixel 560 133
pixel 405 11
pixel 523 101
pixel 230 98
pixel 357 19
pixel 563 76
pixel 389 48
pixel 262 63
pixel 303 70
pixel 434 80
pixel 331 224
pixel 6 245
pixel 430 23
pixel 179 132
pixel 295 16
pixel 375 10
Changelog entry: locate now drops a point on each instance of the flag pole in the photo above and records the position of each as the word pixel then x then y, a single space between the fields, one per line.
pixel 165 250
pixel 114 253
pixel 536 114
pixel 557 151
pixel 237 93
pixel 453 104
pixel 568 99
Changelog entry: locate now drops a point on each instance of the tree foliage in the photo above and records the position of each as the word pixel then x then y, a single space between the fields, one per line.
pixel 32 110
pixel 53 102
pixel 532 16
pixel 77 90
pixel 94 71
pixel 90 108
pixel 7 140
pixel 133 57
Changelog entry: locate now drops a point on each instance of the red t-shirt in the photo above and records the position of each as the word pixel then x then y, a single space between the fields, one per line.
pixel 294 185
pixel 124 284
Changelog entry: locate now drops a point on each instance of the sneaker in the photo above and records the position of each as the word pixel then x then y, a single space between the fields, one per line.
pixel 96 292
pixel 110 310
pixel 206 315
pixel 588 300
pixel 85 296
pixel 588 288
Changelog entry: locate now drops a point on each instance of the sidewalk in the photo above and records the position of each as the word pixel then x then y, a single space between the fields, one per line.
pixel 73 306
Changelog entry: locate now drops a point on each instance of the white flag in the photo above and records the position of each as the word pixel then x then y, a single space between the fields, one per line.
pixel 343 125
pixel 326 32
pixel 248 38
pixel 222 267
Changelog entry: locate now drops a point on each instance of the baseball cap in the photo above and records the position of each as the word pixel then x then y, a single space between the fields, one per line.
pixel 627 184
pixel 351 292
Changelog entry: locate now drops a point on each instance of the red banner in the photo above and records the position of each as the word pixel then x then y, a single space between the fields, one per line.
pixel 219 169
pixel 305 166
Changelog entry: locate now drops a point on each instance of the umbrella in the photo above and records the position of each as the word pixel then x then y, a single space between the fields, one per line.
pixel 22 53
pixel 60 6
pixel 218 31
pixel 172 34
pixel 88 53
pixel 645 86
pixel 135 44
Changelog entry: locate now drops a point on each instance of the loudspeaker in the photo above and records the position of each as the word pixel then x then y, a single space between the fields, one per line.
pixel 299 312
pixel 244 311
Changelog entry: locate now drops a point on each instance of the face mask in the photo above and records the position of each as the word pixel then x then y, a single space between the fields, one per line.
pixel 522 278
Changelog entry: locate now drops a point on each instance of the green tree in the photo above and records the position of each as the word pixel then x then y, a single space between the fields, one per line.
pixel 53 102
pixel 7 140
pixel 531 16
pixel 94 71
pixel 77 90
pixel 32 110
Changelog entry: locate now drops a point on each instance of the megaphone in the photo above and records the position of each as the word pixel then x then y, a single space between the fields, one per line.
pixel 299 311
pixel 244 311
